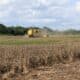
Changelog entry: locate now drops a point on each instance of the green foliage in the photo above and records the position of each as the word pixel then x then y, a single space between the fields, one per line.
pixel 3 29
pixel 18 30
pixel 72 31
pixel 14 30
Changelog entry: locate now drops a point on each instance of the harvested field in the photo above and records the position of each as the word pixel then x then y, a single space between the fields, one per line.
pixel 40 62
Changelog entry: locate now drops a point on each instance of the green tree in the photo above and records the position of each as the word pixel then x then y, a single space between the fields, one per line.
pixel 3 29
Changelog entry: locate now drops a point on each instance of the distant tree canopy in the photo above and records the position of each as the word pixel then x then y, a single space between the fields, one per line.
pixel 3 29
pixel 13 30
pixel 16 30
pixel 48 29
pixel 20 30
pixel 72 31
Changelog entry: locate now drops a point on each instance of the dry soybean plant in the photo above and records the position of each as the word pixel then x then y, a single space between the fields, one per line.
pixel 20 59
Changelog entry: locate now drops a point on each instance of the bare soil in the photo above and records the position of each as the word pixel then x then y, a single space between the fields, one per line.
pixel 70 71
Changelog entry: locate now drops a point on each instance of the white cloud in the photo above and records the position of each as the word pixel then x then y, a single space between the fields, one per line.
pixel 44 2
pixel 4 2
pixel 63 1
pixel 44 20
pixel 52 12
pixel 77 6
pixel 28 13
pixel 5 13
pixel 48 3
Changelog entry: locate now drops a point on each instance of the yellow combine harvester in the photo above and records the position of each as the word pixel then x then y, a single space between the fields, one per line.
pixel 33 32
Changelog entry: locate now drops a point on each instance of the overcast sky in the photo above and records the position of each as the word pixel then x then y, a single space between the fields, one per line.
pixel 57 14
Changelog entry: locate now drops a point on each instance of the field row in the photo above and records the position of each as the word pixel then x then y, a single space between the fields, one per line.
pixel 22 40
pixel 37 55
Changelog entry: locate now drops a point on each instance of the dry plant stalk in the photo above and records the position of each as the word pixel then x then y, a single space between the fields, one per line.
pixel 20 59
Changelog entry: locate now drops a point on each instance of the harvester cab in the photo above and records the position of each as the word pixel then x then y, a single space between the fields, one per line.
pixel 33 33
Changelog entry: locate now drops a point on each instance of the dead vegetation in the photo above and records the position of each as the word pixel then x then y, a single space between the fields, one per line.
pixel 16 61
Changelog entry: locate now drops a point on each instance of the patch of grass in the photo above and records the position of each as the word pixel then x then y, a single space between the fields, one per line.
pixel 21 40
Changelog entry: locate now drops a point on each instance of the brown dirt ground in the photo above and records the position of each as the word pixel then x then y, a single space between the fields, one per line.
pixel 70 71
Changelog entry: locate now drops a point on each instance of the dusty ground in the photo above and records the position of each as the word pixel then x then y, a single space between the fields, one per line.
pixel 60 71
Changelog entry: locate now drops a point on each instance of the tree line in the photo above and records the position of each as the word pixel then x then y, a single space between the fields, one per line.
pixel 14 30
pixel 20 30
